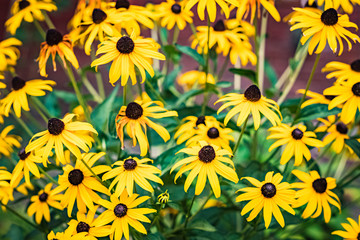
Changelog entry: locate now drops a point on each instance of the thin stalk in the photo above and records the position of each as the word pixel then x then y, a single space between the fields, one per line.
pixel 92 172
pixel 202 206
pixel 140 89
pixel 37 108
pixel 188 212
pixel 41 106
pixel 39 28
pixel 261 60
pixel 99 79
pixel 154 91
pixel 223 67
pixel 341 182
pixel 90 88
pixel 331 163
pixel 340 168
pixel 124 94
pixel 193 29
pixel 48 21
pixel 175 34
pixel 206 94
pixel 155 218
pixel 48 176
pixel 22 124
pixel 240 137
pixel 237 77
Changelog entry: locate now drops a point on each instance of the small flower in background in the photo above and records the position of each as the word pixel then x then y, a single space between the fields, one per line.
pixel 268 196
pixel 247 28
pixel 164 197
pixel 132 170
pixel 135 117
pixel 352 230
pixel 346 5
pixel 315 191
pixel 194 78
pixel 126 53
pixel 296 139
pixel 326 27
pixel 242 51
pixel 79 111
pixel 342 71
pixel 56 44
pixel 214 203
pixel 23 188
pixel 9 54
pixel 144 97
pixel 122 212
pixel 250 6
pixel 58 236
pixel 205 161
pixel 315 98
pixel 66 157
pixel 250 102
pixel 29 11
pixel 7 142
pixel 17 98
pixel 41 202
pixel 83 8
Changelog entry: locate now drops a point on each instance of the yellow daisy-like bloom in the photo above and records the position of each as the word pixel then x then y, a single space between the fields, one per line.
pixel 193 78
pixel 315 98
pixel 212 133
pixel 342 71
pixel 126 53
pixel 164 197
pixel 211 7
pixel 172 12
pixel 56 43
pixel 132 170
pixel 58 236
pixel 83 8
pixel 268 196
pixel 23 188
pixel 135 117
pixel 7 142
pixel 346 5
pixel 190 126
pixel 79 111
pixel 311 7
pixel 323 27
pixel 17 98
pixel 250 102
pixel 352 230
pixel 6 191
pixel 41 202
pixel 296 139
pixel 250 6
pixel 347 93
pixel 242 51
pixel 84 227
pixel 247 27
pixel 73 135
pixel 28 10
pixel 79 183
pixel 122 213
pixel 9 53
pixel 315 191
pixel 206 161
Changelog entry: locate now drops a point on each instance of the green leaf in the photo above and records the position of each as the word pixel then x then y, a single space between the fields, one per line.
pixel 224 84
pixel 192 53
pixel 164 34
pixel 202 225
pixel 250 74
pixel 270 73
pixel 172 53
pixel 68 97
pixel 171 78
pixel 315 111
pixel 354 145
pixel 194 92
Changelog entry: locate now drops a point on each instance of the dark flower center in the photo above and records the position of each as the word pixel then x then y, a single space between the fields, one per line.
pixel 330 97
pixel 219 26
pixel 213 133
pixel 55 126
pixel 355 65
pixel 130 164
pixel 120 210
pixel 53 37
pixel 122 4
pixel 125 45
pixel 356 89
pixel 252 93
pixel 22 154
pixel 314 5
pixel 358 236
pixel 76 177
pixel 134 110
pixel 297 134
pixel 341 128
pixel 23 4
pixel 43 197
pixel 268 190
pixel 207 154
pixel 330 17
pixel 176 8
pixel 17 83
pixel 320 185
pixel 82 227
pixel 200 120
pixel 98 16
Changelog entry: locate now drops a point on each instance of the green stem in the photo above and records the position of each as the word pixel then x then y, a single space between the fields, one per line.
pixel 42 107
pixel 188 212
pixel 341 182
pixel 99 79
pixel 261 49
pixel 223 67
pixel 48 176
pixel 206 94
pixel 202 206
pixel 90 88
pixel 42 115
pixel 23 124
pixel 148 84
pixel 48 20
pixel 92 172
pixel 331 163
pixel 176 34
pixel 124 94
pixel 240 137
pixel 40 29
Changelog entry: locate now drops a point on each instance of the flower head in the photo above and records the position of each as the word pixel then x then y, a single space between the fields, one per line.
pixel 250 6
pixel 9 53
pixel 193 78
pixel 342 71
pixel 164 197
pixel 173 12
pixel 315 98
pixel 352 230
pixel 7 142
pixel 346 5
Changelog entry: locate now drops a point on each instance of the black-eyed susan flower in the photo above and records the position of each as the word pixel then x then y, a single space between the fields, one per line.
pixel 9 53
pixel 164 197
pixel 130 171
pixel 352 230
pixel 122 212
pixel 347 93
pixel 268 196
pixel 346 5
pixel 313 7
pixel 79 183
pixel 28 10
pixel 41 202
pixel 242 51
pixel 8 142
pixel 325 27
pixel 173 12
pixel 17 98
pixel 250 102
pixel 194 78
pixel 60 132
pixel 80 114
pixel 205 161
pixel 342 71
pixel 84 228
pixel 250 6
pixel 235 23
pixel 315 191
pixel 56 44
pixel 315 98
pixel 126 53
pixel 135 117
pixel 296 139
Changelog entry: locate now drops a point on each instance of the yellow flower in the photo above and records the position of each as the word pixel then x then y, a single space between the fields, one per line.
pixel 56 43
pixel 144 97
pixel 126 53
pixel 315 98
pixel 346 5
pixel 246 27
pixel 122 213
pixel 342 71
pixel 17 98
pixel 311 7
pixel 79 111
pixel 316 193
pixel 132 170
pixel 250 102
pixel 7 142
pixel 352 230
pixel 28 10
pixel 41 202
pixel 23 188
pixel 194 78
pixel 206 161
pixel 6 191
pixel 296 139
pixel 328 26
pixel 172 12
pixel 242 51
pixel 135 116
pixel 247 6
pixel 164 197
pixel 73 135
pixel 214 203
pixel 58 236
pixel 9 53
pixel 268 195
